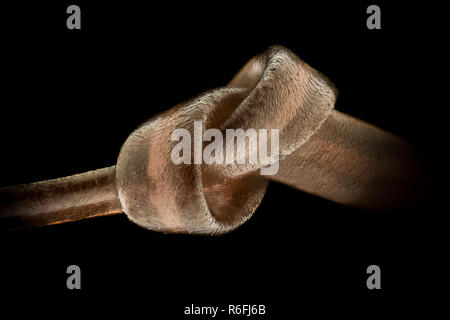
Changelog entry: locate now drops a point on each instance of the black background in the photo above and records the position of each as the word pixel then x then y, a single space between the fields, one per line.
pixel 71 97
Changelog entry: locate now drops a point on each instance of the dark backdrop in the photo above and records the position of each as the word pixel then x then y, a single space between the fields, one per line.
pixel 70 99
